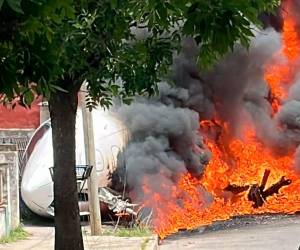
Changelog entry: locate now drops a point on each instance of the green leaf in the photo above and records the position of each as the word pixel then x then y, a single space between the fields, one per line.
pixel 49 34
pixel 114 4
pixel 1 3
pixel 28 97
pixel 15 5
pixel 127 100
pixel 114 89
pixel 55 87
pixel 188 26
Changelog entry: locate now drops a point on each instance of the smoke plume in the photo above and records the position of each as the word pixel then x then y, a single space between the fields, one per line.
pixel 165 137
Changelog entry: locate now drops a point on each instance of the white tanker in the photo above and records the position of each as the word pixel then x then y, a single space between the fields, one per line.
pixel 37 185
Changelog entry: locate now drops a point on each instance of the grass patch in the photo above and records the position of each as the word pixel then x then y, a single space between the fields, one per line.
pixel 128 232
pixel 17 234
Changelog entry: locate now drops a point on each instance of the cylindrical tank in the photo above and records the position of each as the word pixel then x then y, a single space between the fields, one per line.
pixel 37 186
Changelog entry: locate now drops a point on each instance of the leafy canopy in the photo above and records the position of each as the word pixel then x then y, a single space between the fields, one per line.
pixel 54 45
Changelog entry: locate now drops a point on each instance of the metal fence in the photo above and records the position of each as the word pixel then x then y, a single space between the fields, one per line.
pixel 21 144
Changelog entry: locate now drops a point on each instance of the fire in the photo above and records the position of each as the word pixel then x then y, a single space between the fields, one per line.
pixel 185 208
pixel 282 69
pixel 194 202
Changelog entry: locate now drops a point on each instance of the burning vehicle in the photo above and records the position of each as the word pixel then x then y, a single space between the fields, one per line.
pixel 37 183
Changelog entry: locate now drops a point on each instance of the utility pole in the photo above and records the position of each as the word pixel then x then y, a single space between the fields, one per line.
pixel 94 206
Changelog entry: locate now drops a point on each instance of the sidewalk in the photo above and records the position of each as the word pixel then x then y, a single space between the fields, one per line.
pixel 42 238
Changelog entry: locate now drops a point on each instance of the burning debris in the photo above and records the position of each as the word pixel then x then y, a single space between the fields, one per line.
pixel 206 147
pixel 257 193
pixel 115 202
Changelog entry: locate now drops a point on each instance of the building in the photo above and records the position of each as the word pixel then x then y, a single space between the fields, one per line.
pixel 16 128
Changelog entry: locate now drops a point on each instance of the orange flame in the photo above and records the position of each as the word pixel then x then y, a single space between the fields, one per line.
pixel 282 69
pixel 185 207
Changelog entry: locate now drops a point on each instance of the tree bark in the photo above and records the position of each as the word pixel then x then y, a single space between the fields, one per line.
pixel 63 107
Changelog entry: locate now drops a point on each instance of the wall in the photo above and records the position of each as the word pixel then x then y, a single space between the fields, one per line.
pixel 3 223
pixel 19 117
pixel 9 209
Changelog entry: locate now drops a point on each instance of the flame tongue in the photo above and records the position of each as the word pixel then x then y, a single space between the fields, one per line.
pixel 282 69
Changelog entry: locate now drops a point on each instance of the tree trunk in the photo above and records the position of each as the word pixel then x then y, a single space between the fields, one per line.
pixel 63 108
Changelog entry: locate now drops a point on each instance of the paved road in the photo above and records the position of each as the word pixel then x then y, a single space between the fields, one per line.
pixel 279 235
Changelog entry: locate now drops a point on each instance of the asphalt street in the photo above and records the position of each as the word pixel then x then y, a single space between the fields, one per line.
pixel 279 234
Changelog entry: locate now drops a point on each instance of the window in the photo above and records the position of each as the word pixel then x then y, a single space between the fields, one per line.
pixel 39 133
